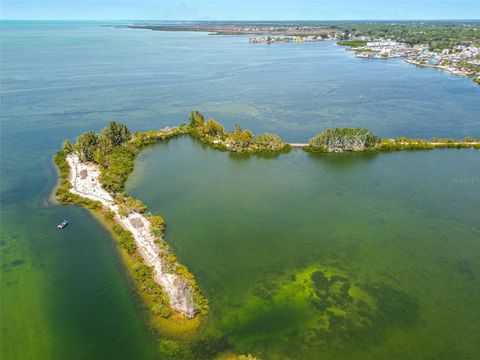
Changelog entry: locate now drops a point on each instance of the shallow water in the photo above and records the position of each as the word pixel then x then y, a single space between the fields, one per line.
pixel 64 294
pixel 331 256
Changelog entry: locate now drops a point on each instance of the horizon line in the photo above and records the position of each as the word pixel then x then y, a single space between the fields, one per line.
pixel 244 20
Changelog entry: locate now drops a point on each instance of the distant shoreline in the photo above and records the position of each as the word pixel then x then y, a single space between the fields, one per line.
pixel 440 67
pixel 299 32
pixel 236 29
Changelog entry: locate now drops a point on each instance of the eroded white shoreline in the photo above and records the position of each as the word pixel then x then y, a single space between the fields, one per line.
pixel 179 291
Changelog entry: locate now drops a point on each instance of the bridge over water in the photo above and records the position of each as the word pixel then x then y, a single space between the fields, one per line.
pixel 298 145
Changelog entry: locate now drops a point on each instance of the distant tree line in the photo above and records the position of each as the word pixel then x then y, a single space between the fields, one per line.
pixel 352 43
pixel 437 35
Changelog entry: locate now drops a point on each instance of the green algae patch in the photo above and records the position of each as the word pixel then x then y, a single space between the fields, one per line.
pixel 320 307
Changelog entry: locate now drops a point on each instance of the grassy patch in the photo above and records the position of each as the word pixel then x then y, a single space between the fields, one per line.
pixel 352 43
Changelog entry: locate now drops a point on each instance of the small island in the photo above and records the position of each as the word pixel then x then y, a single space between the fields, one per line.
pixel 342 140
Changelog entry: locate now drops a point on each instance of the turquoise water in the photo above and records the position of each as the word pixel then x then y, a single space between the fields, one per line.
pixel 65 294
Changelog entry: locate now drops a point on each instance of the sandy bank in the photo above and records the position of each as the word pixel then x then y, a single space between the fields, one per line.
pixel 84 178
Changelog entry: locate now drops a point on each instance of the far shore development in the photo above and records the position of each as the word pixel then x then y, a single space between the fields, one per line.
pixel 449 46
pixel 462 60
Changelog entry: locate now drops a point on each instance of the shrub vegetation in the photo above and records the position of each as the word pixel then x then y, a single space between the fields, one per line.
pixel 239 140
pixel 352 43
pixel 342 140
pixel 114 150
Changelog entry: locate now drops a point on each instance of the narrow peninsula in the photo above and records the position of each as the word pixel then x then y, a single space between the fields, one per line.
pixel 93 174
pixel 94 170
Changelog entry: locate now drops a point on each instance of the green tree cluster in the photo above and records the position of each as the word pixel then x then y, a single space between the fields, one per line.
pixel 438 35
pixel 116 167
pixel 343 139
pixel 157 225
pixel 206 130
pixel 196 119
pixel 95 148
pixel 117 134
pixel 67 147
pixel 125 238
pixel 128 205
pixel 352 43
pixel 213 128
pixel 239 140
pixel 87 145
pixel 143 275
pixel 269 142
pixel 142 139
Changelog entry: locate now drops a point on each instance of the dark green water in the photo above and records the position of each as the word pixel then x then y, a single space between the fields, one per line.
pixel 248 228
pixel 333 256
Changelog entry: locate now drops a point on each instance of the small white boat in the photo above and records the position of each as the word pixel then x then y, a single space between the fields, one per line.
pixel 62 224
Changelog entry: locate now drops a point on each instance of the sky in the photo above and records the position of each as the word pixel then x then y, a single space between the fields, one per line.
pixel 240 9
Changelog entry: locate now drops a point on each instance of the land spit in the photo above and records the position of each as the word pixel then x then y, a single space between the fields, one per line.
pixel 84 178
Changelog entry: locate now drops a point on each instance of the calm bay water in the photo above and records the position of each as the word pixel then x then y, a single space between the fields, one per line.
pixel 401 229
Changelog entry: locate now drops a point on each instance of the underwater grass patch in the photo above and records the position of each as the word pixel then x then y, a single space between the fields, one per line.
pixel 320 305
